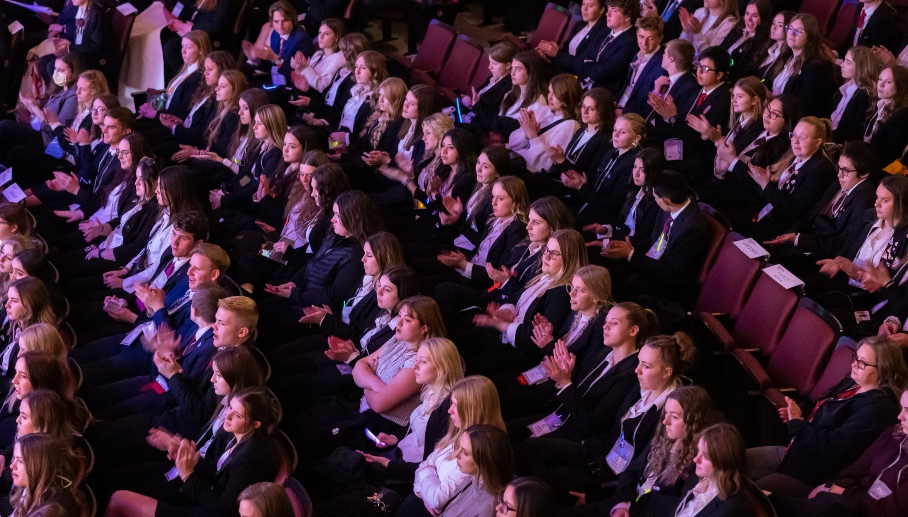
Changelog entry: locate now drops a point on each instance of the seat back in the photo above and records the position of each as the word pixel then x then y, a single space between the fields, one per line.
pixel 823 10
pixel 718 229
pixel 759 504
pixel 482 71
pixel 838 366
pixel 78 377
pixel 729 281
pixel 68 334
pixel 287 456
pixel 552 25
pixel 231 286
pixel 299 498
pixel 845 22
pixel 804 349
pixel 435 47
pixel 351 7
pixel 765 315
pixel 120 29
pixel 84 459
pixel 262 360
pixel 461 64
pixel 567 31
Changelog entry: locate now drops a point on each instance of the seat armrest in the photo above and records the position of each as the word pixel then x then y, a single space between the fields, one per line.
pixel 753 368
pixel 718 330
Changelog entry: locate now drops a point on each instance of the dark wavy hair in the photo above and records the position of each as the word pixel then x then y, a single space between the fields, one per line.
pixel 670 459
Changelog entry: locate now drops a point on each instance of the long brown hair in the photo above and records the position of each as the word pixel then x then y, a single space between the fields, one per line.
pixel 48 469
pixel 238 81
pixel 493 455
pixel 725 450
pixel 358 215
pixel 670 459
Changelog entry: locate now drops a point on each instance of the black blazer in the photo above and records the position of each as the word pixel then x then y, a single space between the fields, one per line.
pixel 738 505
pixel 892 254
pixel 490 102
pixel 227 128
pixel 673 25
pixel 588 345
pixel 644 220
pixel 739 180
pixel 8 423
pixel 809 183
pixel 332 112
pixel 826 236
pixel 613 185
pixel 637 102
pixel 609 70
pixel 745 135
pixel 191 396
pixel 136 232
pixel 684 251
pixel 524 266
pixel 362 318
pixel 638 431
pixel 194 135
pixel 94 33
pixel 564 62
pixel 436 428
pixel 554 304
pixel 716 107
pixel 262 163
pixel 891 136
pixel 593 409
pixel 511 236
pixel 661 500
pixel 742 55
pixel 218 22
pixel 852 124
pixel 814 84
pixel 597 144
pixel 684 92
pixel 181 102
pixel 215 492
pixel 880 30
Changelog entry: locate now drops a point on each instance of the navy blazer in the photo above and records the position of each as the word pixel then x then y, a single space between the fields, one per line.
pixel 852 123
pixel 644 219
pixel 637 102
pixel 607 67
pixel 298 40
pixel 716 107
pixel 684 92
pixel 564 62
pixel 684 252
pixel 827 236
pixel 814 85
pixel 891 137
pixel 190 389
pixel 880 30
pixel 607 187
pixel 94 32
pixel 808 185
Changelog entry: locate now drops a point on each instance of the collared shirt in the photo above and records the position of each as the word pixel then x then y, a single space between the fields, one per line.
pixel 492 82
pixel 482 252
pixel 402 145
pixel 868 9
pixel 848 90
pixel 331 95
pixel 177 81
pixel 789 172
pixel 201 332
pixel 697 499
pixel 322 68
pixel 881 106
pixel 162 277
pixel 359 95
pixel 641 62
pixel 744 37
pixel 578 39
pixel 523 305
pixel 778 84
pixel 871 251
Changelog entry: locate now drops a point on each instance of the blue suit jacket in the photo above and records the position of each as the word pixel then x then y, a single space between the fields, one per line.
pixel 637 102
pixel 610 69
pixel 197 358
pixel 298 40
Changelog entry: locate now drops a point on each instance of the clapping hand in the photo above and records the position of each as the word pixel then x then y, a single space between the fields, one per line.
pixel 454 206
pixel 455 259
pixel 761 175
pixel 560 365
pixel 527 120
pixel 313 315
pixel 499 276
pixel 573 179
pixel 542 331
pixel 187 458
pixel 340 350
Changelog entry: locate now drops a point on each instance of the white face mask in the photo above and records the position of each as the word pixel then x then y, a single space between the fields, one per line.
pixel 59 78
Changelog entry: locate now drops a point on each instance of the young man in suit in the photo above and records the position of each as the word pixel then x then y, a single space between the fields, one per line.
pixel 876 26
pixel 673 93
pixel 679 238
pixel 836 220
pixel 667 10
pixel 285 40
pixel 645 68
pixel 607 65
pixel 590 34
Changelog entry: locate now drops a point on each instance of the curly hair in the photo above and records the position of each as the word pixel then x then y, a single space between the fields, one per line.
pixel 669 459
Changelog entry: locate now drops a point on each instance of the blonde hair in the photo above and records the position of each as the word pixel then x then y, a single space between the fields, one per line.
pixel 201 40
pixel 275 122
pixel 98 84
pixel 638 125
pixel 753 87
pixel 573 257
pixel 477 403
pixel 598 282
pixel 42 337
pixel 444 356
pixel 243 308
pixel 438 124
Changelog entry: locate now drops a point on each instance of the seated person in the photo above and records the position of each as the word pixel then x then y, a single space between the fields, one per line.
pixel 606 64
pixel 279 41
pixel 583 36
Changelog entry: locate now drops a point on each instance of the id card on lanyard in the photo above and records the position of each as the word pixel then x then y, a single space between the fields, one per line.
pixel 658 248
pixel 622 452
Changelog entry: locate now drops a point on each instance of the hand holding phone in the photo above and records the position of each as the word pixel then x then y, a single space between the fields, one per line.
pixel 378 443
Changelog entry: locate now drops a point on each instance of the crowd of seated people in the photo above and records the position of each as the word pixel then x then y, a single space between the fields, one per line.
pixel 281 277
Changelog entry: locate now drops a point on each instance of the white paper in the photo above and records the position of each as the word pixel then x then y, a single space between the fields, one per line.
pixel 535 375
pixel 750 248
pixel 784 277
pixel 13 193
pixel 464 243
pixel 6 176
pixel 15 27
pixel 763 213
pixel 126 9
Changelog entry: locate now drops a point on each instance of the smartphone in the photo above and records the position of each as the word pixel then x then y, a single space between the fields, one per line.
pixel 374 438
pixel 112 305
pixel 459 114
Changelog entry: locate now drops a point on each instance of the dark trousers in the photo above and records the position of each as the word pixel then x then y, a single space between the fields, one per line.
pixel 105 361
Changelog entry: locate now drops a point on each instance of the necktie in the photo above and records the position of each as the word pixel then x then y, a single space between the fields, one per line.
pixel 667 226
pixel 280 47
pixel 861 19
pixel 836 205
pixel 169 270
pixel 701 98
pixel 605 44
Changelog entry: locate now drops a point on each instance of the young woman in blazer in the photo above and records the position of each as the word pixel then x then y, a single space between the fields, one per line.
pixel 552 128
pixel 377 142
pixel 884 129
pixel 637 217
pixel 661 471
pixel 829 436
pixel 528 94
pixel 850 105
pixel 600 455
pixel 318 71
pixel 581 335
pixel 808 74
pixel 719 488
pixel 179 92
pixel 582 37
pixel 82 27
pixel 43 474
pixel 24 308
pixel 601 193
pixel 508 346
pixel 597 118
pixel 472 217
pixel 215 17
pixel 698 29
pixel 748 36
pixel 486 457
pixel 338 90
pixel 246 456
pixel 748 100
pixel 350 117
pixel 34 371
pixel 485 103
pixel 767 61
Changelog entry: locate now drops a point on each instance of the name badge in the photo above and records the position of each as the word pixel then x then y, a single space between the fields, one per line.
pixel 674 149
pixel 177 9
pixel 464 243
pixel 345 313
pixel 245 181
pixel 78 38
pixel 620 456
pixel 656 250
pixel 533 376
pixel 345 369
pixel 133 335
pixel 545 426
pixel 879 490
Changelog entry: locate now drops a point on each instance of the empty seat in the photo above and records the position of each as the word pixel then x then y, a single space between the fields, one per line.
pixel 823 10
pixel 802 353
pixel 458 69
pixel 552 25
pixel 836 368
pixel 762 320
pixel 729 281
pixel 434 51
pixel 120 29
pixel 719 228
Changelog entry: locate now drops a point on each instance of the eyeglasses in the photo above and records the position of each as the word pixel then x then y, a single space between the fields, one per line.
pixel 773 115
pixel 121 152
pixel 791 30
pixel 861 364
pixel 799 138
pixel 99 110
pixel 572 290
pixel 550 253
pixel 845 172
pixel 704 69
pixel 587 109
pixel 504 505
